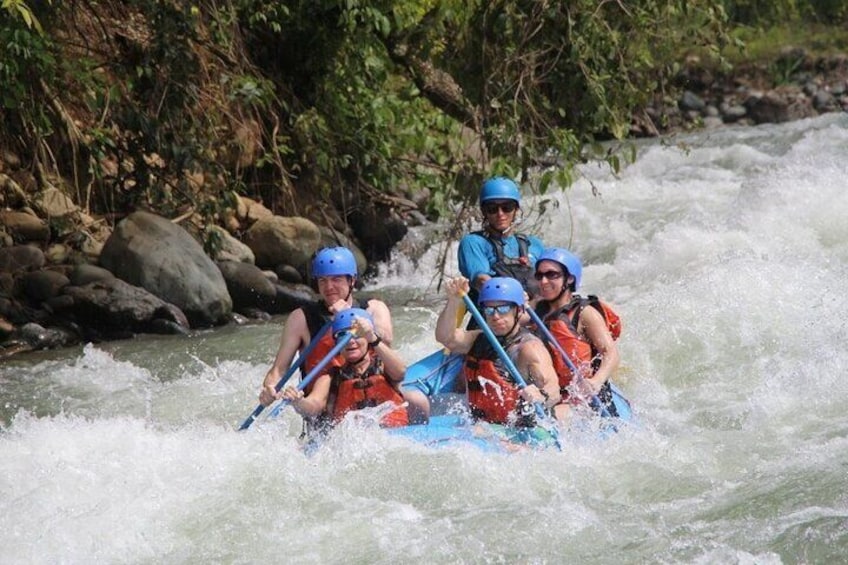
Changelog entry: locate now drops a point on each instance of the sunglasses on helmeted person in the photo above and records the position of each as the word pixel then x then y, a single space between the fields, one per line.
pixel 506 207
pixel 550 275
pixel 502 310
pixel 338 335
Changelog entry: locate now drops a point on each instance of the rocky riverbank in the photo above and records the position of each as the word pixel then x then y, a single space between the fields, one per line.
pixel 67 277
pixel 794 86
pixel 148 275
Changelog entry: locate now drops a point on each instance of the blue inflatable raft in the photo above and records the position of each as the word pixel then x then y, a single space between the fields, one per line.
pixel 435 376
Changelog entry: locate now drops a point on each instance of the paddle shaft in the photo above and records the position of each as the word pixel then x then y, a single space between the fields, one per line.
pixel 288 374
pixel 316 370
pixel 551 339
pixel 540 409
pixel 326 359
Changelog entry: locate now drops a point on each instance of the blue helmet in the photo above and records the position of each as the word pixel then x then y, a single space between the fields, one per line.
pixel 504 289
pixel 569 261
pixel 499 188
pixel 334 261
pixel 343 320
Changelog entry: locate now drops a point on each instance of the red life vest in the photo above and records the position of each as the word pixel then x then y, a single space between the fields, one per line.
pixel 563 324
pixel 610 316
pixel 322 348
pixel 317 316
pixel 493 395
pixel 350 391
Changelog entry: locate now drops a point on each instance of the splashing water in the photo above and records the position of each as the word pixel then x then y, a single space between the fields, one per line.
pixel 727 260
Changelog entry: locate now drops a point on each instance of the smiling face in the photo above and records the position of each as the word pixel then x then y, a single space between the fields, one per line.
pixel 500 316
pixel 500 214
pixel 335 288
pixel 551 278
pixel 355 349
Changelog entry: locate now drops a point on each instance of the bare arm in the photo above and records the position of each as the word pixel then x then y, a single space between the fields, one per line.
pixel 394 366
pixel 295 336
pixel 594 327
pixel 534 360
pixel 457 340
pixel 313 404
pixel 382 319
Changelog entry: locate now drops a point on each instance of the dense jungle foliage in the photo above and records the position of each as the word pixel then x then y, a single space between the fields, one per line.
pixel 176 106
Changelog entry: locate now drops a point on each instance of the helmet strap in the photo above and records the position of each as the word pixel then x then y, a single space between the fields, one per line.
pixel 564 289
pixel 487 226
pixel 351 284
pixel 518 310
pixel 518 219
pixel 560 295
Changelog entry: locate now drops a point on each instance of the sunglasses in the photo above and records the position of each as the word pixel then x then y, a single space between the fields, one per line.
pixel 550 275
pixel 338 335
pixel 507 207
pixel 503 309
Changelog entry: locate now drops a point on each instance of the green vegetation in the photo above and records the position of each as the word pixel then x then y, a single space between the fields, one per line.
pixel 767 13
pixel 765 44
pixel 316 105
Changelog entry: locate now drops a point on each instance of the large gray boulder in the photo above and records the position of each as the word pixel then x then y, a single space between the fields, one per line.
pixel 278 240
pixel 39 286
pixel 252 290
pixel 249 287
pixel 21 258
pixel 291 296
pixel 231 249
pixel 151 252
pixel 113 305
pixel 23 226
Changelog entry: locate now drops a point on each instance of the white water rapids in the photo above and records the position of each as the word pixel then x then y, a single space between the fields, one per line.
pixel 727 259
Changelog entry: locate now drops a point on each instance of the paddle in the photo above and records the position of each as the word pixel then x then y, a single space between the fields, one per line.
pixel 513 370
pixel 316 370
pixel 551 339
pixel 295 365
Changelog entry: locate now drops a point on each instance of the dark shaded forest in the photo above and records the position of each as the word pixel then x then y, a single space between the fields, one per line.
pixel 345 113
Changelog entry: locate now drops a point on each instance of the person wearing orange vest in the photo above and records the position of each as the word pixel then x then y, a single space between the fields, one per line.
pixel 582 332
pixel 334 269
pixel 369 376
pixel 493 394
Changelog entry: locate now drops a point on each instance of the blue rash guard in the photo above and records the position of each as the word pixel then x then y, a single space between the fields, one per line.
pixel 477 255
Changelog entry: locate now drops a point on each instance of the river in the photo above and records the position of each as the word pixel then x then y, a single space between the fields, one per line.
pixel 725 252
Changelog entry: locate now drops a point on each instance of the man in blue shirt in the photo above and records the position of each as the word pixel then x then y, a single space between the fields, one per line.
pixel 496 250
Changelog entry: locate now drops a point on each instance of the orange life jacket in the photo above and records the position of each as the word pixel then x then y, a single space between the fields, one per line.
pixel 325 344
pixel 350 391
pixel 610 316
pixel 317 316
pixel 563 324
pixel 493 395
